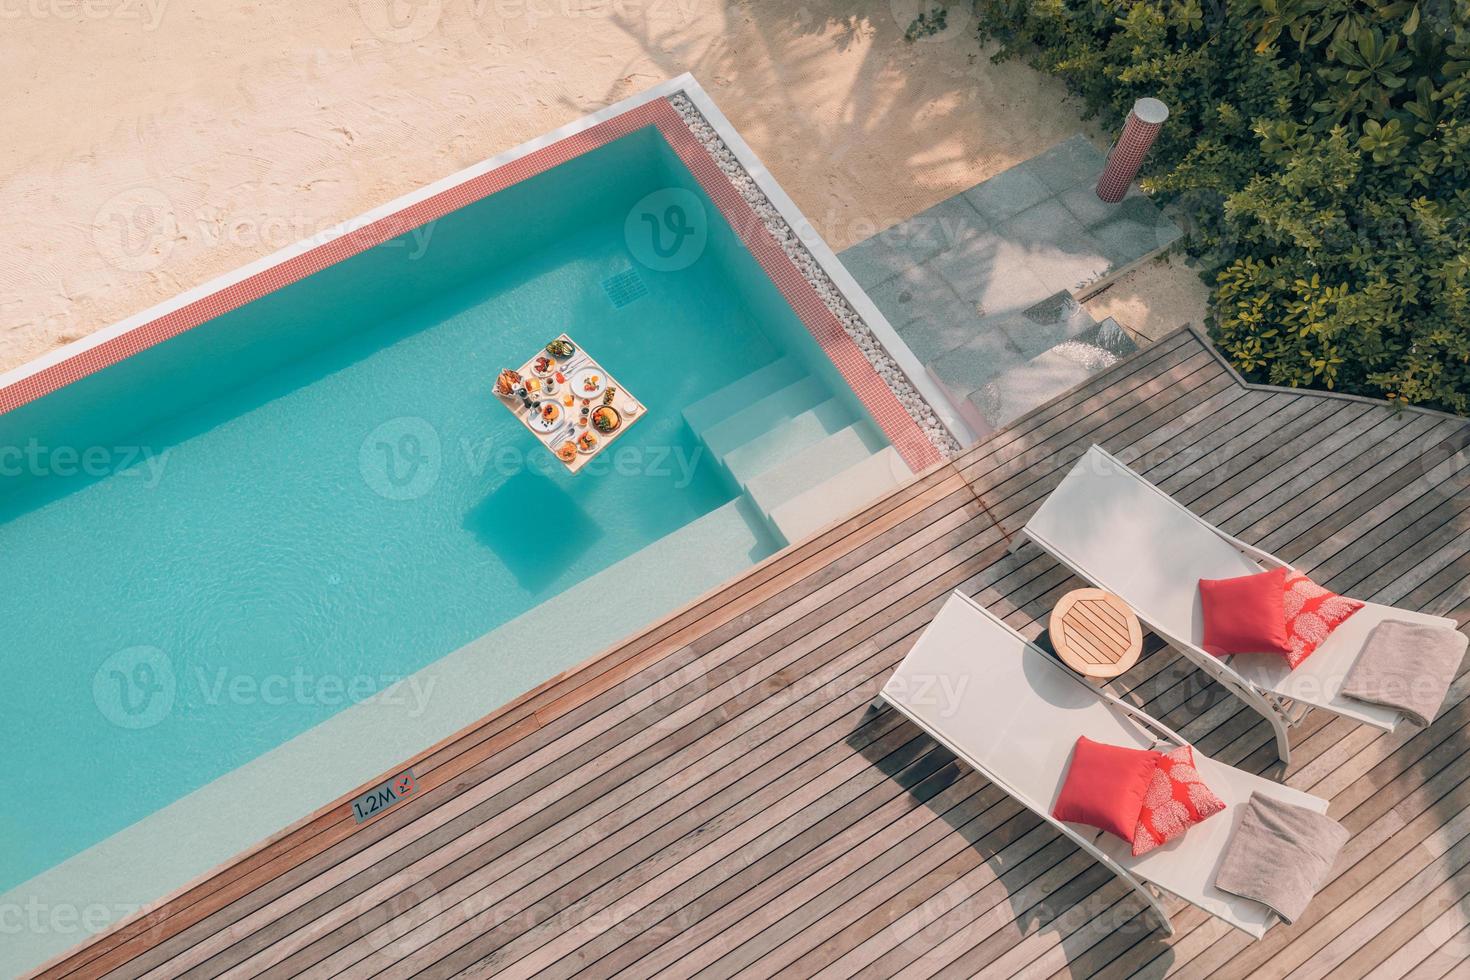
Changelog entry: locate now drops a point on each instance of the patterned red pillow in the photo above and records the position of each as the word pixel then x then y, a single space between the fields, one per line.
pixel 1175 800
pixel 1312 613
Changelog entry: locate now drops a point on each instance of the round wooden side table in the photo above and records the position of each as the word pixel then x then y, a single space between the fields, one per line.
pixel 1095 633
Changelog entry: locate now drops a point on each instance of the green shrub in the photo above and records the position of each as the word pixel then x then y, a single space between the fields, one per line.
pixel 1319 151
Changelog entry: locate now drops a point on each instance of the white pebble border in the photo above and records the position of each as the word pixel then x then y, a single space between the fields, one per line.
pixel 887 368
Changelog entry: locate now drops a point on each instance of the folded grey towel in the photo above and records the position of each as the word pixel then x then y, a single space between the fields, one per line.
pixel 1407 666
pixel 1280 855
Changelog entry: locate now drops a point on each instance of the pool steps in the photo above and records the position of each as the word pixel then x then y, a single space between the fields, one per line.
pixel 818 462
pixel 728 400
pixel 841 494
pixel 801 459
pixel 763 415
pixel 778 443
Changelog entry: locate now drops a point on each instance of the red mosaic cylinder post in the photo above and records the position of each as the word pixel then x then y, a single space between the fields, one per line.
pixel 1139 132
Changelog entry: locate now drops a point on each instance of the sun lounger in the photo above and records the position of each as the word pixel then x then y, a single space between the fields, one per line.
pixel 1012 713
pixel 1121 533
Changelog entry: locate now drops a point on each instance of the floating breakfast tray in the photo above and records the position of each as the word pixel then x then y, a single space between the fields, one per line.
pixel 586 383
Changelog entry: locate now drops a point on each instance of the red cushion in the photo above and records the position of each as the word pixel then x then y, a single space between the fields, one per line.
pixel 1105 786
pixel 1176 800
pixel 1312 613
pixel 1246 614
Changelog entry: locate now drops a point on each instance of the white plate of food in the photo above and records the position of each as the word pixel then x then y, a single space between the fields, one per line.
pixel 543 366
pixel 588 442
pixel 589 382
pixel 546 417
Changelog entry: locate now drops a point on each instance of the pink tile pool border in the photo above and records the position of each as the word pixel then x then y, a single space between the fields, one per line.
pixel 897 425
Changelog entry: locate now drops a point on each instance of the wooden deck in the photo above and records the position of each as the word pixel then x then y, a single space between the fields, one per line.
pixel 712 798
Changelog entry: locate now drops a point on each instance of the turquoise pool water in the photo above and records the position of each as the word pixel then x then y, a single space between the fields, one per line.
pixel 224 540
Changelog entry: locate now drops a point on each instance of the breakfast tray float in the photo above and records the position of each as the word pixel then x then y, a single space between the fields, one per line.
pixel 564 402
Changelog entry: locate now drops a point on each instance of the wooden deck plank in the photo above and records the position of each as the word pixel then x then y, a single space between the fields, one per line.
pixel 332 859
pixel 1373 815
pixel 714 798
pixel 868 695
pixel 574 688
pixel 718 673
pixel 1432 925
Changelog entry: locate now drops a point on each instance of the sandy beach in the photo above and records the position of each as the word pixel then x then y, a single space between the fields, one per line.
pixel 157 143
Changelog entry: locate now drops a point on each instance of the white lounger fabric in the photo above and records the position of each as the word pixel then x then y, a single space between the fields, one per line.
pixel 1123 534
pixel 1319 679
pixel 1187 866
pixel 1013 713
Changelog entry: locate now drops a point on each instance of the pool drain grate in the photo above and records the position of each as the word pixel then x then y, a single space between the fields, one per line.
pixel 624 287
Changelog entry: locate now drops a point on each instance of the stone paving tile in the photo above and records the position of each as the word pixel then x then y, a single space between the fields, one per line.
pixel 1084 204
pixel 1056 247
pixel 906 295
pixel 876 260
pixel 1136 229
pixel 927 314
pixel 1013 394
pixel 948 323
pixel 948 224
pixel 990 273
pixel 1007 194
pixel 1069 163
pixel 979 286
pixel 891 251
pixel 982 358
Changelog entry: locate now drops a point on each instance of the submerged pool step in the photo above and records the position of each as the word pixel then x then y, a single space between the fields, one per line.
pixel 790 438
pixel 725 402
pixel 840 495
pixel 763 415
pixel 813 464
pixel 710 549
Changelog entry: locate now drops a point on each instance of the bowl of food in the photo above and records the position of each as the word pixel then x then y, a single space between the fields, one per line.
pixel 566 451
pixel 588 442
pixel 606 419
pixel 561 348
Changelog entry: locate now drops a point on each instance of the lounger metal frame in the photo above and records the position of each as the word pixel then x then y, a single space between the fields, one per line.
pixel 1151 727
pixel 1151 730
pixel 1283 713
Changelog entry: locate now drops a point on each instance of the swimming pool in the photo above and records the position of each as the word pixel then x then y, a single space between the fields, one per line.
pixel 308 501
